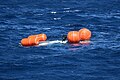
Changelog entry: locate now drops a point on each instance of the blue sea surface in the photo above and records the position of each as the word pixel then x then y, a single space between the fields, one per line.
pixel 98 60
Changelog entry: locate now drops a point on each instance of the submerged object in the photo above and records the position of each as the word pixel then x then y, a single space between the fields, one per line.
pixel 85 34
pixel 73 37
pixel 45 43
pixel 64 37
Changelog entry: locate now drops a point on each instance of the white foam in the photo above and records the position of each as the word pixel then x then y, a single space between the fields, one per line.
pixel 51 42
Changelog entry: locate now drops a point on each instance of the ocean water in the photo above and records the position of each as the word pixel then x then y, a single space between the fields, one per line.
pixel 97 60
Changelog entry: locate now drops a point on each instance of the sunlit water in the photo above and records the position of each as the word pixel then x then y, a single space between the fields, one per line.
pixel 97 60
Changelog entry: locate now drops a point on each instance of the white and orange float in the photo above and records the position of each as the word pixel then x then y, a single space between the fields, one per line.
pixel 83 34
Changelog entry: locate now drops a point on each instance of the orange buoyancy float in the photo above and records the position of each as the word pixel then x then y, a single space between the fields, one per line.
pixel 42 37
pixel 73 37
pixel 25 42
pixel 85 34
pixel 33 40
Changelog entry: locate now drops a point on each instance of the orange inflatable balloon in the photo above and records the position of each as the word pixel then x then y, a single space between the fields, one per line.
pixel 73 37
pixel 33 40
pixel 25 42
pixel 84 34
pixel 42 37
pixel 32 36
